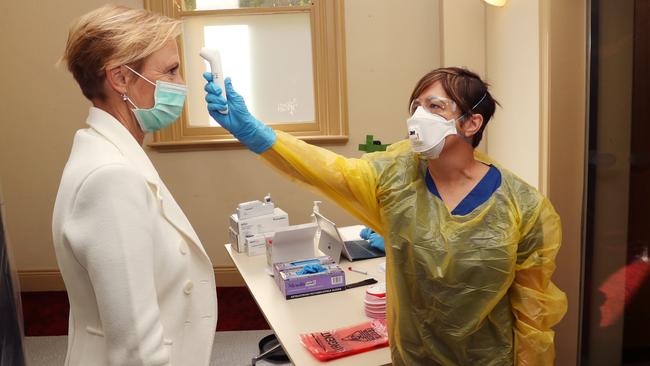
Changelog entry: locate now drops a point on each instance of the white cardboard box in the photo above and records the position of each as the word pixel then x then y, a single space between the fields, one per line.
pixel 256 244
pixel 291 243
pixel 240 229
pixel 254 209
pixel 234 240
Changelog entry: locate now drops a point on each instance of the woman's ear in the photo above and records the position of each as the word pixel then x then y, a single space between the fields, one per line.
pixel 116 79
pixel 472 125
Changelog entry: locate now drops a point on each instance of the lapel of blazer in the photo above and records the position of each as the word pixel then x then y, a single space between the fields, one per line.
pixel 106 125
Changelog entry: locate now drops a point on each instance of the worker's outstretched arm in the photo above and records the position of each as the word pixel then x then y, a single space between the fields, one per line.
pixel 349 182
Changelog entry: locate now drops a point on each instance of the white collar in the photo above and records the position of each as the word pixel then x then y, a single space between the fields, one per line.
pixel 109 127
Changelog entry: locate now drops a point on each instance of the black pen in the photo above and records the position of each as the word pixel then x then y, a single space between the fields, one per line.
pixel 369 281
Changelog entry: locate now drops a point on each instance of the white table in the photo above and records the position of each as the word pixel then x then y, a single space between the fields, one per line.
pixel 290 318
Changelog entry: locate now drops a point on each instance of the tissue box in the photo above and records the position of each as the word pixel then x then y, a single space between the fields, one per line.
pixel 294 285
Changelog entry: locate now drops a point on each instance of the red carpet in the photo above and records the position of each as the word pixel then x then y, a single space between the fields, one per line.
pixel 46 313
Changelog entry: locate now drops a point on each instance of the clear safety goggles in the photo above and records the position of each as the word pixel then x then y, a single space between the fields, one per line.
pixel 441 106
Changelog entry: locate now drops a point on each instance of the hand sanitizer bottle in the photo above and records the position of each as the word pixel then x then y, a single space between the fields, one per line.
pixel 315 210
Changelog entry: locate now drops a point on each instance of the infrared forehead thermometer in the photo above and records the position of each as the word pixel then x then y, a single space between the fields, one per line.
pixel 214 59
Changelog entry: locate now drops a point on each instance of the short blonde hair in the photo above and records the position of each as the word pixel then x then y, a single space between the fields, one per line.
pixel 110 36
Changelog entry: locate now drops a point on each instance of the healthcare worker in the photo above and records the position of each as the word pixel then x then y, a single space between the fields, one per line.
pixel 140 284
pixel 470 247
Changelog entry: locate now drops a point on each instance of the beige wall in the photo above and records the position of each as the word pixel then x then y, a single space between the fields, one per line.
pixel 44 107
pixel 513 54
pixel 464 35
pixel 502 44
pixel 464 40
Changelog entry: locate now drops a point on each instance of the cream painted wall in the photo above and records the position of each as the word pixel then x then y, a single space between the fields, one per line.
pixel 464 35
pixel 464 40
pixel 44 107
pixel 513 57
pixel 502 45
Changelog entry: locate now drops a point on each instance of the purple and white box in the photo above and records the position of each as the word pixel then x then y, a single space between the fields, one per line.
pixel 294 285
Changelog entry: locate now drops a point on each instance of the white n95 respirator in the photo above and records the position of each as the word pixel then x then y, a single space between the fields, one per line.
pixel 427 132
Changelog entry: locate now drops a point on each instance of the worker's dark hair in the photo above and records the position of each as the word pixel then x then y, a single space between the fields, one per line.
pixel 466 89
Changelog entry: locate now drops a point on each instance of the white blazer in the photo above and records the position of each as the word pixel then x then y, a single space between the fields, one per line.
pixel 140 284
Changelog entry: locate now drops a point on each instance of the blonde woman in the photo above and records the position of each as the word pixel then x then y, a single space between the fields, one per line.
pixel 140 284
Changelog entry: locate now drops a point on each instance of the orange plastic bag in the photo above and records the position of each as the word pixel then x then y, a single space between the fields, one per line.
pixel 342 342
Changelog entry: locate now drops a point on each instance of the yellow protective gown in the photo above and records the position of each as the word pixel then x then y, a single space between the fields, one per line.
pixel 461 290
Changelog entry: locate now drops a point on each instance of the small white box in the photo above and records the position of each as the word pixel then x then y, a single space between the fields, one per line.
pixel 291 243
pixel 259 224
pixel 252 209
pixel 256 244
pixel 234 240
pixel 280 219
pixel 240 229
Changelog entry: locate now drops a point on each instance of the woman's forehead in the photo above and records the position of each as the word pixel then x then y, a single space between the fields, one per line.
pixel 434 90
pixel 163 57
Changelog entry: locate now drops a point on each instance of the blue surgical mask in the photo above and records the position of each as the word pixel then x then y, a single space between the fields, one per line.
pixel 169 100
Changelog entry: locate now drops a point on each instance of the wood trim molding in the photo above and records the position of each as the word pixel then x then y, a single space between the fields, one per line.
pixel 228 276
pixel 51 280
pixel 327 22
pixel 40 280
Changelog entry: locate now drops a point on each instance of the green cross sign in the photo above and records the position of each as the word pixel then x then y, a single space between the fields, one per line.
pixel 372 145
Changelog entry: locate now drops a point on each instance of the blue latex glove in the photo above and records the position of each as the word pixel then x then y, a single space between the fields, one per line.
pixel 311 268
pixel 376 241
pixel 247 129
pixel 365 233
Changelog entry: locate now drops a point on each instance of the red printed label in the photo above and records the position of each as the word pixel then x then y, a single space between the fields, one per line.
pixel 346 341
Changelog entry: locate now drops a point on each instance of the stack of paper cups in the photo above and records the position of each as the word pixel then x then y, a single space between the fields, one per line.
pixel 375 301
